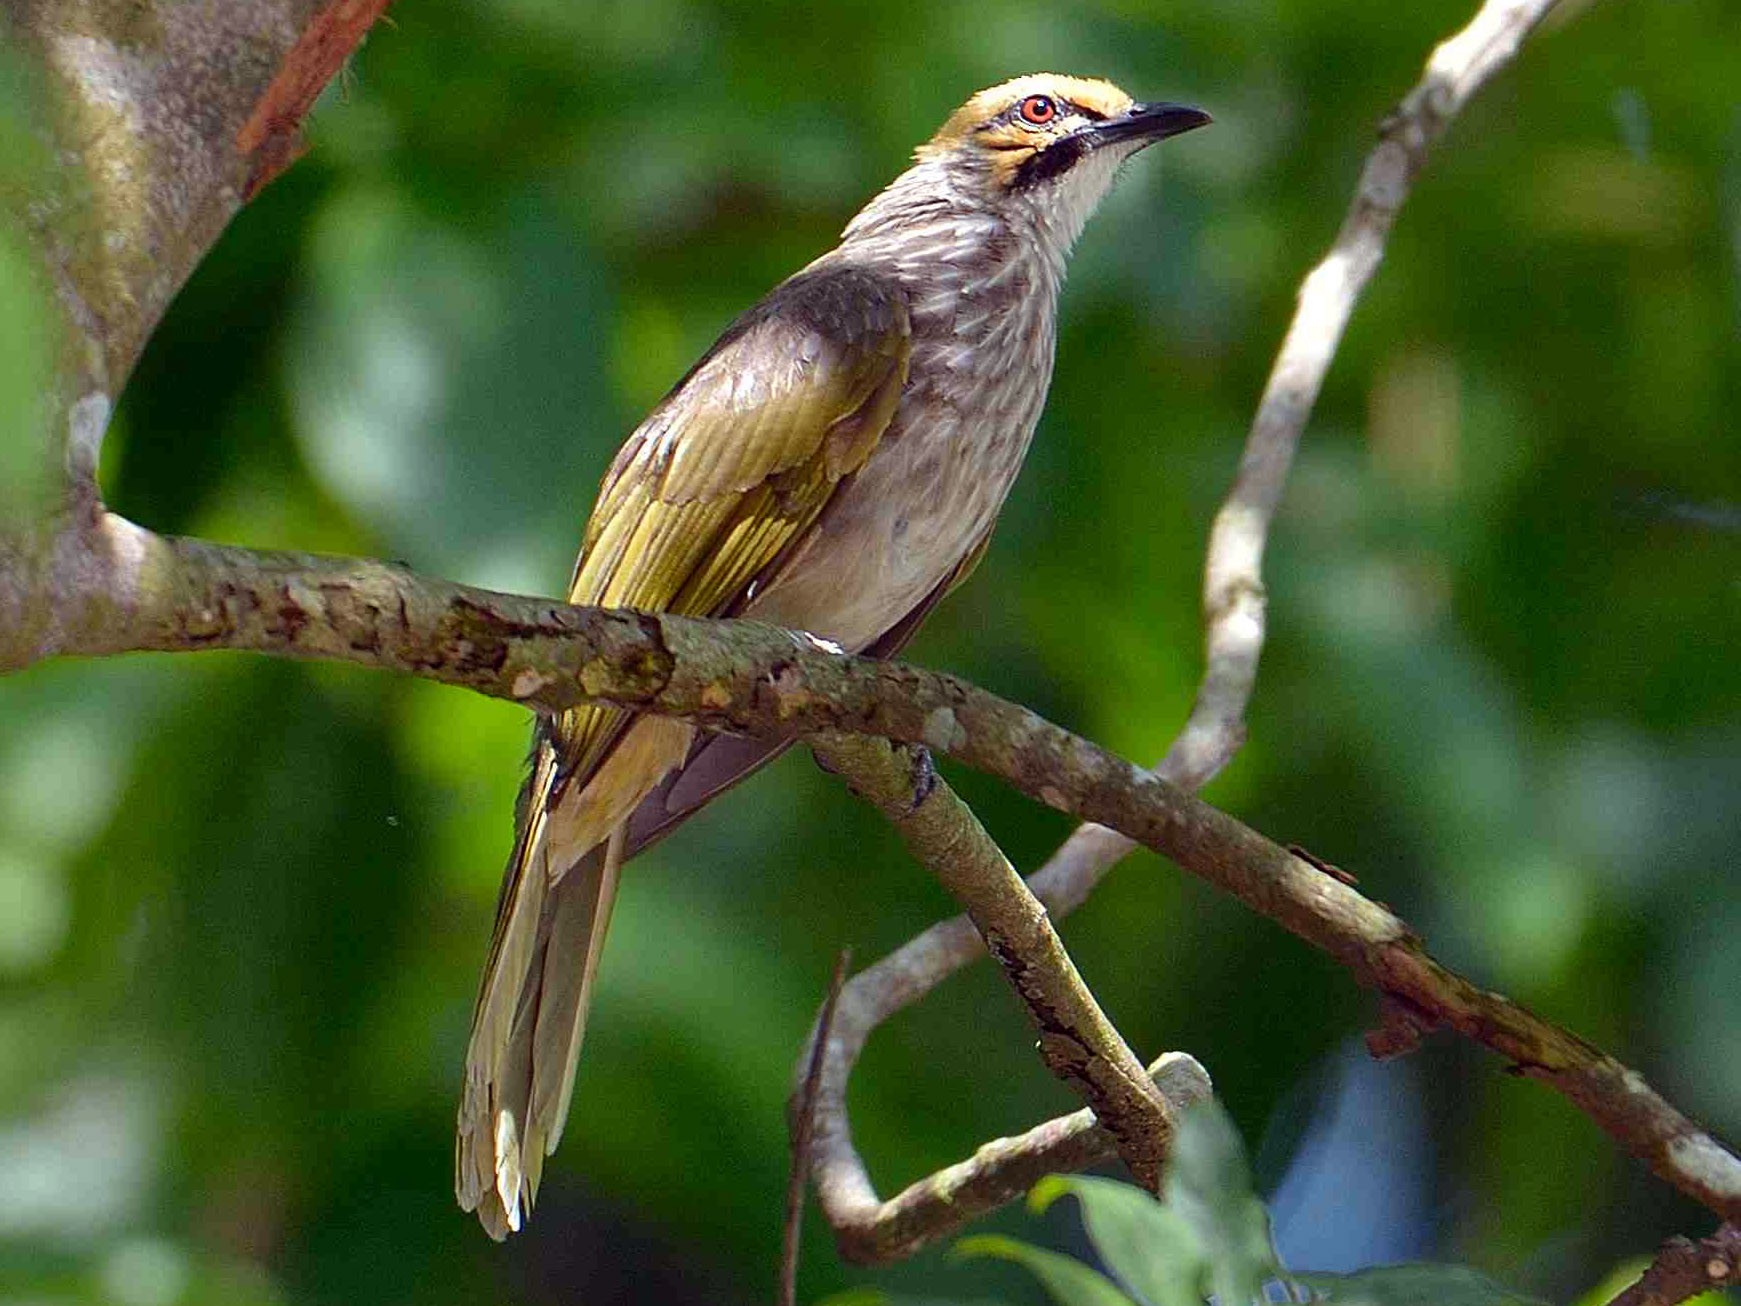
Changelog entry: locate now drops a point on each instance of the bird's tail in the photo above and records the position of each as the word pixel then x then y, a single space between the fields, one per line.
pixel 531 1014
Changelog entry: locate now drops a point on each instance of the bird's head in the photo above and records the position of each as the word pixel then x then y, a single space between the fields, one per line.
pixel 1037 153
pixel 1041 129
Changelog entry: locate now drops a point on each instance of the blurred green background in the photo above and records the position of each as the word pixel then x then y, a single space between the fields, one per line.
pixel 243 904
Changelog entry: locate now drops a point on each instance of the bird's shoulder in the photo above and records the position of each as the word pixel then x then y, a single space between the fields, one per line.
pixel 730 471
pixel 848 302
pixel 764 398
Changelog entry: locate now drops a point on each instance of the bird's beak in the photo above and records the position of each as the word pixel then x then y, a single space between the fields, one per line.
pixel 1148 123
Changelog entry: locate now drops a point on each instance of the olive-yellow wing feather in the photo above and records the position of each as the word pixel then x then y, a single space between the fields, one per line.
pixel 739 460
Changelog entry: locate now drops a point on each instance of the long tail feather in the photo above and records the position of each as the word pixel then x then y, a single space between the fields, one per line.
pixel 557 895
pixel 581 916
pixel 499 1151
pixel 519 1077
pixel 486 1130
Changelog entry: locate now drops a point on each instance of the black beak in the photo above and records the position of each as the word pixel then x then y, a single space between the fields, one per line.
pixel 1149 123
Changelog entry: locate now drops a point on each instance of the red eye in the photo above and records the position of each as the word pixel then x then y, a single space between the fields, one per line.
pixel 1038 110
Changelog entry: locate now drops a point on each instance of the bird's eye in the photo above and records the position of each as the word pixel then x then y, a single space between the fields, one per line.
pixel 1038 110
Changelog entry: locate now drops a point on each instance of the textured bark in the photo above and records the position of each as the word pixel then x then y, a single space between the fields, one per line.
pixel 148 99
pixel 871 1231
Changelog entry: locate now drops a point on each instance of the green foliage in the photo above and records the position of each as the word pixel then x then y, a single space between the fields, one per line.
pixel 872 1297
pixel 1069 1282
pixel 1151 1248
pixel 1208 1186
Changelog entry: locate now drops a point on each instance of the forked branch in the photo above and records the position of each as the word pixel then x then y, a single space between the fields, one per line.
pixel 1077 1042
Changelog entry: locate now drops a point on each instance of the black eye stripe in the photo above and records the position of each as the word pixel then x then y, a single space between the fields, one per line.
pixel 1053 161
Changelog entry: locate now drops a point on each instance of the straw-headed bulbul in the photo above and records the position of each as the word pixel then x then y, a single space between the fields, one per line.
pixel 834 464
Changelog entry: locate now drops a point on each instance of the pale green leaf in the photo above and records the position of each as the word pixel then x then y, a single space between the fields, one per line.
pixel 877 1297
pixel 1622 1277
pixel 1069 1281
pixel 1208 1185
pixel 1149 1248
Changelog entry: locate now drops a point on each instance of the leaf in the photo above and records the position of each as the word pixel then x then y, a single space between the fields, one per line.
pixel 1149 1249
pixel 1208 1185
pixel 1069 1281
pixel 1620 1278
pixel 1414 1285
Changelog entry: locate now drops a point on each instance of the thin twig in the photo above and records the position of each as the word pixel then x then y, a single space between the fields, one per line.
pixel 1683 1269
pixel 272 136
pixel 874 1231
pixel 803 1130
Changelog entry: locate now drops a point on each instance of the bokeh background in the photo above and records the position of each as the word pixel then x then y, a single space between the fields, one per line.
pixel 243 904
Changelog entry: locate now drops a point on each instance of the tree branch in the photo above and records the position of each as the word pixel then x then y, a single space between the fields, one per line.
pixel 1132 1109
pixel 802 1118
pixel 176 111
pixel 1684 1269
pixel 872 1231
pixel 742 677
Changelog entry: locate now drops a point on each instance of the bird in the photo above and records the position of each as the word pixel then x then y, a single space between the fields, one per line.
pixel 834 464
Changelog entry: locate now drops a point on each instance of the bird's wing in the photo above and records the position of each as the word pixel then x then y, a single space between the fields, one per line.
pixel 724 477
pixel 736 464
